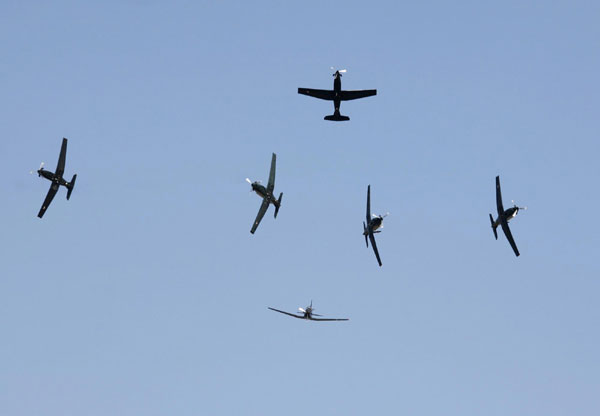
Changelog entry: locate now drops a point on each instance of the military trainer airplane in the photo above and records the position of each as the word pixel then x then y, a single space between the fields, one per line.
pixel 266 194
pixel 56 178
pixel 504 217
pixel 337 95
pixel 374 222
pixel 307 313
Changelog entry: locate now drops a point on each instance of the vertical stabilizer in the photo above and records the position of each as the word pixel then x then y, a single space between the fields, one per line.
pixel 278 204
pixel 71 186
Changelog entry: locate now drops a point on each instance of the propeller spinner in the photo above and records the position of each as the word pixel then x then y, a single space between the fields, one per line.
pixel 41 167
pixel 515 204
pixel 341 71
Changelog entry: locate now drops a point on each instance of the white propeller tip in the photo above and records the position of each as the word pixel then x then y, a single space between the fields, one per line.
pixel 249 181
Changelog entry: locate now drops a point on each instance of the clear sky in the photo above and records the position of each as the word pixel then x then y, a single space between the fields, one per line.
pixel 145 294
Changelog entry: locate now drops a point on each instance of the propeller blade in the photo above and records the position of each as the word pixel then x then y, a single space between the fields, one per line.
pixel 249 181
pixel 41 166
pixel 515 204
pixel 343 71
pixel 301 310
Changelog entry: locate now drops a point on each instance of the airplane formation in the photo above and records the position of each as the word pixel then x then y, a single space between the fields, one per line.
pixel 372 225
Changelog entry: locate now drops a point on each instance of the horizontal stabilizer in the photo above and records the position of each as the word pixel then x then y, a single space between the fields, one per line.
pixel 493 228
pixel 71 186
pixel 278 204
pixel 337 117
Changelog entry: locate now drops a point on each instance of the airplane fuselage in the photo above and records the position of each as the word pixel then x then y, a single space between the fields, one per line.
pixel 337 88
pixel 509 214
pixel 374 224
pixel 52 177
pixel 261 191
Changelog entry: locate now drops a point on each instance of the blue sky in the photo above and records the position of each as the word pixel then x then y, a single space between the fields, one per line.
pixel 145 294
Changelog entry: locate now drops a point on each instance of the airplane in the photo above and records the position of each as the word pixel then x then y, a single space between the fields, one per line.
pixel 374 222
pixel 307 313
pixel 266 194
pixel 504 216
pixel 56 178
pixel 337 95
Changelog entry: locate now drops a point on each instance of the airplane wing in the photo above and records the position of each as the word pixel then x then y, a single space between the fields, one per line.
pixel 509 236
pixel 60 167
pixel 287 313
pixel 354 95
pixel 49 197
pixel 322 94
pixel 271 184
pixel 372 238
pixel 261 213
pixel 368 204
pixel 328 319
pixel 499 197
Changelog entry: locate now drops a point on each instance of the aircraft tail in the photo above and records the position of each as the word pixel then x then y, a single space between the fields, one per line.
pixel 493 226
pixel 278 204
pixel 70 186
pixel 365 234
pixel 337 117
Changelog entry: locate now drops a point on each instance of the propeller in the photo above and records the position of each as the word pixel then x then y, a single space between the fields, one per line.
pixel 302 310
pixel 249 181
pixel 380 216
pixel 341 71
pixel 41 166
pixel 515 204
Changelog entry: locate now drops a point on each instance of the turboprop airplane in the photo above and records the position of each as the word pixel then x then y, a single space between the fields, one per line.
pixel 504 216
pixel 266 194
pixel 372 226
pixel 307 313
pixel 337 95
pixel 56 178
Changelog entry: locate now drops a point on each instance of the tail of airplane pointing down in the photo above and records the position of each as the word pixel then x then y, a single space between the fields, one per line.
pixel 70 186
pixel 278 204
pixel 337 117
pixel 493 227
